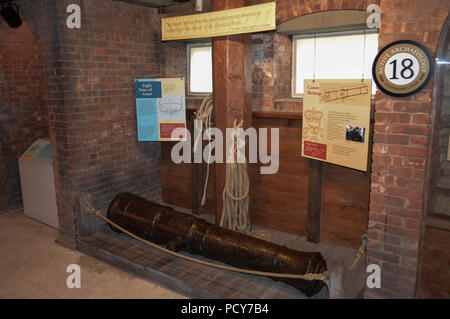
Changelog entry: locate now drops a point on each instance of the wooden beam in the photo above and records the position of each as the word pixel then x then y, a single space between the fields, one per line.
pixel 313 217
pixel 149 3
pixel 232 81
pixel 178 7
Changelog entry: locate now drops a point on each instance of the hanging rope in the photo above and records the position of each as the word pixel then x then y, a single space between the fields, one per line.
pixel 308 276
pixel 235 193
pixel 235 213
pixel 361 251
pixel 204 114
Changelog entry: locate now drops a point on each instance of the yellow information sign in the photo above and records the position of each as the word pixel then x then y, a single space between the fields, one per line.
pixel 336 121
pixel 448 151
pixel 249 19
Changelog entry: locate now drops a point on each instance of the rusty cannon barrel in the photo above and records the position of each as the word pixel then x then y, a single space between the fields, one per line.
pixel 178 231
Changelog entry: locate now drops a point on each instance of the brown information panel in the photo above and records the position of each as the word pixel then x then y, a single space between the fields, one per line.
pixel 336 121
pixel 256 18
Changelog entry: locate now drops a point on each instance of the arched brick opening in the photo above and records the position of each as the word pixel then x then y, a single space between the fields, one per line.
pixel 23 108
pixel 432 281
pixel 89 77
pixel 287 10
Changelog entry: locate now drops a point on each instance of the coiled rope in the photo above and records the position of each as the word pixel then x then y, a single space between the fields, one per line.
pixel 237 186
pixel 308 276
pixel 235 212
pixel 204 114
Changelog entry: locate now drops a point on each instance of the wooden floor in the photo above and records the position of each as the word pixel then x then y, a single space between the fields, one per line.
pixel 198 281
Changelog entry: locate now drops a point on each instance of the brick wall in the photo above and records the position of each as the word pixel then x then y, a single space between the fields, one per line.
pixel 272 67
pixel 401 146
pixel 89 78
pixel 90 82
pixel 23 111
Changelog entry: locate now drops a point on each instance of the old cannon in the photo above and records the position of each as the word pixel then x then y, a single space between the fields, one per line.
pixel 178 231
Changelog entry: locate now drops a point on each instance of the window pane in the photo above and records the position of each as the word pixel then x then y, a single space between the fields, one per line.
pixel 337 57
pixel 200 70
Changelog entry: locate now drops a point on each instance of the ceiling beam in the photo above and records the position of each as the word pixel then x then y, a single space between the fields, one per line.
pixel 150 3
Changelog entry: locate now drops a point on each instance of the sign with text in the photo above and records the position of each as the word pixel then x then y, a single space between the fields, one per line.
pixel 249 19
pixel 402 68
pixel 336 121
pixel 160 109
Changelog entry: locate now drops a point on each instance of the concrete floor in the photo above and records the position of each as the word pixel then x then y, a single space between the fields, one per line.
pixel 32 265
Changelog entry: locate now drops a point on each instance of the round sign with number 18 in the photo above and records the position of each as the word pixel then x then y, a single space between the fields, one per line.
pixel 402 68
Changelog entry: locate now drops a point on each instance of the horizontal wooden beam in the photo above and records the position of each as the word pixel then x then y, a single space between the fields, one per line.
pixel 438 221
pixel 149 3
pixel 274 115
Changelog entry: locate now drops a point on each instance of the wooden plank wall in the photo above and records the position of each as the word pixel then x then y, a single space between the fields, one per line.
pixel 279 201
pixel 177 184
pixel 176 180
pixel 435 281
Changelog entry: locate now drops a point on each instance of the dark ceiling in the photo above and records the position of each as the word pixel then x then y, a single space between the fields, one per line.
pixel 158 3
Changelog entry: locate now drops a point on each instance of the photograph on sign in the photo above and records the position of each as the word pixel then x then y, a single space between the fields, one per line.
pixel 336 121
pixel 160 109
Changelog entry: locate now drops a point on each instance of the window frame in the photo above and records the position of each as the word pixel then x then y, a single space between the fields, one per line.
pixel 188 66
pixel 312 36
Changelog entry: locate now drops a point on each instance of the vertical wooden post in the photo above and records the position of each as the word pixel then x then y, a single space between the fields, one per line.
pixel 232 80
pixel 197 174
pixel 313 218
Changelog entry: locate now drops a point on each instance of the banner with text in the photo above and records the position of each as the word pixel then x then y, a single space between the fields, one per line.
pixel 160 109
pixel 249 19
pixel 336 121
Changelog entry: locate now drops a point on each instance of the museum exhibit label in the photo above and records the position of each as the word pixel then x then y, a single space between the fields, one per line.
pixel 160 109
pixel 336 121
pixel 402 68
pixel 256 18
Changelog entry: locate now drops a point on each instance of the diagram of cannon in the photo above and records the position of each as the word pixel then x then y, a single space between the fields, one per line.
pixel 171 107
pixel 344 93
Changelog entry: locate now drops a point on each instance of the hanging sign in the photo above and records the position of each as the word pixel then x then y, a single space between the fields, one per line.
pixel 160 109
pixel 402 68
pixel 336 121
pixel 448 151
pixel 256 18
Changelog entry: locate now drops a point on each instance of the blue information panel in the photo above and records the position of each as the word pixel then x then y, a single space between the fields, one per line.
pixel 160 109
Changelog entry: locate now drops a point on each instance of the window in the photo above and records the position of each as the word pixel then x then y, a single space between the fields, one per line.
pixel 199 69
pixel 337 56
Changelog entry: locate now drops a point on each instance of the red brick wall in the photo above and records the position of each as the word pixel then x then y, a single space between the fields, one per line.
pixel 401 146
pixel 272 67
pixel 23 111
pixel 90 77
